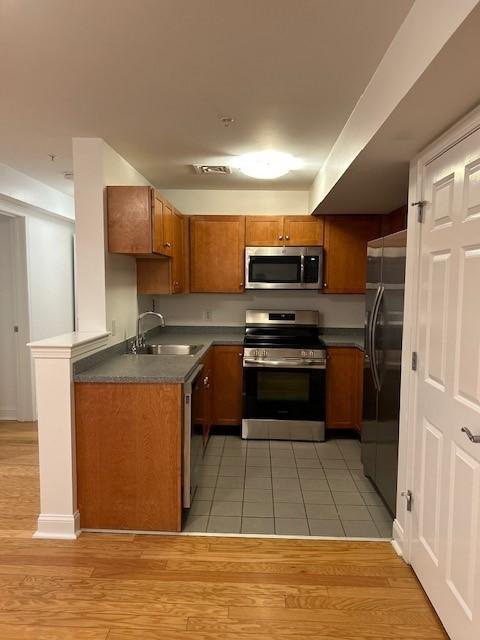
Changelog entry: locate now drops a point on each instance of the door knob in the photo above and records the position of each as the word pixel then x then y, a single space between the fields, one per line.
pixel 280 237
pixel 470 436
pixel 287 237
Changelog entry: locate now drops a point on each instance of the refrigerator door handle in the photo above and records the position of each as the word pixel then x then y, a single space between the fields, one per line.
pixel 373 335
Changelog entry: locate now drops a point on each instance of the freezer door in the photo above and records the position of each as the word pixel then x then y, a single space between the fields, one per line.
pixel 369 423
pixel 388 348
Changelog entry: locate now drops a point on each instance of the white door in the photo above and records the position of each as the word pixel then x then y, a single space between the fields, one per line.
pixel 446 527
pixel 8 362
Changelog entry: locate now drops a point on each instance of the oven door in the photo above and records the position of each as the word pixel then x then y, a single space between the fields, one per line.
pixel 276 393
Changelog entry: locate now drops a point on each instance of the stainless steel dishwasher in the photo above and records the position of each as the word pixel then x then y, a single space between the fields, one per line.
pixel 192 438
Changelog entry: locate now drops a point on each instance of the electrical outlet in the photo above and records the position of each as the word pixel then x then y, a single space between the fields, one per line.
pixel 208 314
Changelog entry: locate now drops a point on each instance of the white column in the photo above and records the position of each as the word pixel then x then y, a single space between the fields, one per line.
pixel 54 358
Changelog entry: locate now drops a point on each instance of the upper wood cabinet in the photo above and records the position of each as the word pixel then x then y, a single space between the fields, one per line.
pixel 227 385
pixel 346 238
pixel 163 275
pixel 217 254
pixel 344 387
pixel 264 231
pixel 140 221
pixel 394 221
pixel 274 231
pixel 303 231
pixel 163 225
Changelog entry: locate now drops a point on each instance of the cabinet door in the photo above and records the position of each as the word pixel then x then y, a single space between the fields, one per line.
pixel 227 385
pixel 162 224
pixel 394 221
pixel 346 238
pixel 344 387
pixel 129 220
pixel 168 229
pixel 303 231
pixel 178 255
pixel 217 254
pixel 264 231
pixel 157 222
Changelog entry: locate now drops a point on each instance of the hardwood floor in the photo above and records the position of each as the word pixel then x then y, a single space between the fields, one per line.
pixel 125 587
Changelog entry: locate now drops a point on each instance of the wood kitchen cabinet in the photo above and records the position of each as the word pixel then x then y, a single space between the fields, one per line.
pixel 394 221
pixel 227 385
pixel 344 388
pixel 217 248
pixel 139 221
pixel 165 275
pixel 275 231
pixel 346 238
pixel 129 455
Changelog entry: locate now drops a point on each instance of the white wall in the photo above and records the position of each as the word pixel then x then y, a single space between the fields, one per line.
pixel 229 309
pixel 210 201
pixel 50 276
pixel 8 364
pixel 18 186
pixel 106 284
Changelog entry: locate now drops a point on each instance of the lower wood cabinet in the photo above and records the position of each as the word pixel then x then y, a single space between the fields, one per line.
pixel 344 388
pixel 227 385
pixel 128 450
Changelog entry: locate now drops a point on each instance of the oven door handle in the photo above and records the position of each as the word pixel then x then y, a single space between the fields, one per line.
pixel 285 363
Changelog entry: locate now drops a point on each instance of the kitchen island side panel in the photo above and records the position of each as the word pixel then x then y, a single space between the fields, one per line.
pixel 128 450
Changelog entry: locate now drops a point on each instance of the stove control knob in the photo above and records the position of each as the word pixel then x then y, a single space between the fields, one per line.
pixel 254 353
pixel 264 353
pixel 303 354
pixel 311 354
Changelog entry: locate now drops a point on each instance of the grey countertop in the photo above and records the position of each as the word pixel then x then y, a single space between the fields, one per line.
pixel 117 366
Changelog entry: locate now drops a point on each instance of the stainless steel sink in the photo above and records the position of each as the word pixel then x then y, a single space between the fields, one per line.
pixel 170 349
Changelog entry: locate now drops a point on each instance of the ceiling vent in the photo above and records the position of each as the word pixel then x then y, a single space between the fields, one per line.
pixel 212 168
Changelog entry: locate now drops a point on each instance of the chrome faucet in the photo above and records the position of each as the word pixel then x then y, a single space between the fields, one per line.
pixel 140 337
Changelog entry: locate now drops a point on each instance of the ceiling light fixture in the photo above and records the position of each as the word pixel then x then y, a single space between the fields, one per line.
pixel 266 165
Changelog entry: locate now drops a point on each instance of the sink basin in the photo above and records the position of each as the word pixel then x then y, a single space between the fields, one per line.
pixel 171 349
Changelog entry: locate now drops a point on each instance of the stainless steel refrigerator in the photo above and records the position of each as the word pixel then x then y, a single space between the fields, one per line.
pixel 382 369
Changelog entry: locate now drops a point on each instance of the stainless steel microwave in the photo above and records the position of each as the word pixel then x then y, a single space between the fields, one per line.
pixel 283 267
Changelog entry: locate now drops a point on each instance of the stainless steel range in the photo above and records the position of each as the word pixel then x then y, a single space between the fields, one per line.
pixel 284 365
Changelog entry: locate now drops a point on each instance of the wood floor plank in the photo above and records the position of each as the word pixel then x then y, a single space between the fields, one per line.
pixel 346 631
pixel 23 632
pixel 373 574
pixel 129 587
pixel 370 615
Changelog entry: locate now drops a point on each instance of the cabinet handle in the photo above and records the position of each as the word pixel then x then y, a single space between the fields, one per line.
pixel 287 237
pixel 325 284
pixel 280 237
pixel 167 244
pixel 241 284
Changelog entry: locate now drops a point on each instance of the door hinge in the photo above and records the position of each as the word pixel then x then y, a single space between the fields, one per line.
pixel 420 204
pixel 409 498
pixel 414 360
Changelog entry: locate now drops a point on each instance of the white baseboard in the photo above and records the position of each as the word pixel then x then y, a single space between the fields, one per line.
pixel 8 413
pixel 398 539
pixel 58 527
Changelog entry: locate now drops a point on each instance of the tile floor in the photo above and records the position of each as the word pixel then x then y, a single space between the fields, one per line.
pixel 287 488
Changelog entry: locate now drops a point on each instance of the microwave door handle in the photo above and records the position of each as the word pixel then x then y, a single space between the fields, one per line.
pixel 302 269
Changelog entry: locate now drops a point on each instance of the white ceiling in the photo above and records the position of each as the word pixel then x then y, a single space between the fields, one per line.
pixel 153 78
pixel 377 181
